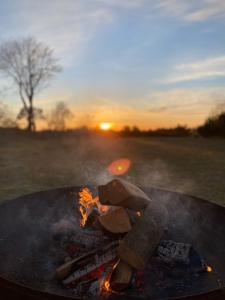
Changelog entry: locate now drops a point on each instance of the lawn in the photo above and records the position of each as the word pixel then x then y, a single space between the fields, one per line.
pixel 31 163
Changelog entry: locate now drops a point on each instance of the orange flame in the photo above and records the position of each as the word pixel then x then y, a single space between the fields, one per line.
pixel 87 201
pixel 107 285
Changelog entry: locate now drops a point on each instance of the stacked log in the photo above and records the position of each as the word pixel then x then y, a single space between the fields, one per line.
pixel 141 241
pixel 133 215
pixel 122 193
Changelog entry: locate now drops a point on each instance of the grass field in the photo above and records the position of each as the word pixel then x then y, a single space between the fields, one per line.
pixel 191 165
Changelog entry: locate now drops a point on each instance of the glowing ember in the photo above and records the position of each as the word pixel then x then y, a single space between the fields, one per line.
pixel 119 166
pixel 209 269
pixel 87 201
pixel 107 285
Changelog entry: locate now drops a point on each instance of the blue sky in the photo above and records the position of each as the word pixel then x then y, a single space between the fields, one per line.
pixel 135 62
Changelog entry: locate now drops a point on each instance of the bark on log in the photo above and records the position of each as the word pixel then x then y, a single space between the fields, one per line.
pixel 140 243
pixel 122 193
pixel 116 221
pixel 121 276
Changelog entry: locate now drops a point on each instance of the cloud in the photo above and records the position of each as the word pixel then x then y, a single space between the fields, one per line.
pixel 123 3
pixel 208 68
pixel 209 9
pixel 157 109
pixel 67 26
pixel 198 101
pixel 70 26
pixel 192 10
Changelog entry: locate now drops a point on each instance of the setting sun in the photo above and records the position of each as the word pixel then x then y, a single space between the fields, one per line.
pixel 105 126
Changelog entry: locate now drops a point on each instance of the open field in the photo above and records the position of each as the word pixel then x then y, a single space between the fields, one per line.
pixel 191 165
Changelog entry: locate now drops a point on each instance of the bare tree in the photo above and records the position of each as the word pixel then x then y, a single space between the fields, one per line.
pixel 30 64
pixel 58 117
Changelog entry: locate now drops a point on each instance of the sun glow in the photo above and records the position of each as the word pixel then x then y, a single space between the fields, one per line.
pixel 105 126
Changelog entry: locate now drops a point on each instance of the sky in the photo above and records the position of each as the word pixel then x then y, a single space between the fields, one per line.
pixel 130 62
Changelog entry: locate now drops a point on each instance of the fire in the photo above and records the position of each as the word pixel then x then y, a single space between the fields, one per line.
pixel 105 126
pixel 107 285
pixel 87 201
pixel 209 269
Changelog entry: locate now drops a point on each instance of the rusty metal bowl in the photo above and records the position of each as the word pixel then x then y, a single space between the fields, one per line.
pixel 28 255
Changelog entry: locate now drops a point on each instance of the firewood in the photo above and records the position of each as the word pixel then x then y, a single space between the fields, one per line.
pixel 121 276
pixel 122 193
pixel 90 239
pixel 96 262
pixel 140 243
pixel 67 268
pixel 116 221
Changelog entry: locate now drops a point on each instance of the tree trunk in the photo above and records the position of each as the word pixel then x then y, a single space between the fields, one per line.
pixel 30 118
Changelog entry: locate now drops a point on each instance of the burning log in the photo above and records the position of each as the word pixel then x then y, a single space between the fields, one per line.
pixel 93 265
pixel 116 221
pixel 140 243
pixel 122 193
pixel 121 276
pixel 64 270
pixel 86 263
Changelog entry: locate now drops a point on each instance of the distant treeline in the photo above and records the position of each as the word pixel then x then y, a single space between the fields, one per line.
pixel 213 126
pixel 161 132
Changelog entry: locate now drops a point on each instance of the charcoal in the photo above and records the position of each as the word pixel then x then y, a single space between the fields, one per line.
pixel 181 255
pixel 172 252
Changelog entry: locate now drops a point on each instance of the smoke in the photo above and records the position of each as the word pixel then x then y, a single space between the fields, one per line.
pixel 157 173
pixel 150 169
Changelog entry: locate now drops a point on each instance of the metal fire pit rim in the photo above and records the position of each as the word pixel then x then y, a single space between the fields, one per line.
pixel 70 188
pixel 218 293
pixel 28 291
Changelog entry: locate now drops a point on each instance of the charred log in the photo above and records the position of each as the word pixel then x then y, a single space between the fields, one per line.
pixel 86 263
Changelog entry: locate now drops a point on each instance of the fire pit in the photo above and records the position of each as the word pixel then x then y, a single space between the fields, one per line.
pixel 34 227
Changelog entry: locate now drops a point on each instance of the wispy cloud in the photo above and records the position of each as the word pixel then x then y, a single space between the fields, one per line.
pixel 210 67
pixel 157 109
pixel 192 10
pixel 67 26
pixel 183 100
pixel 208 9
pixel 123 3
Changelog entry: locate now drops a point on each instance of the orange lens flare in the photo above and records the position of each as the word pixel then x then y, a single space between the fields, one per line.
pixel 119 166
